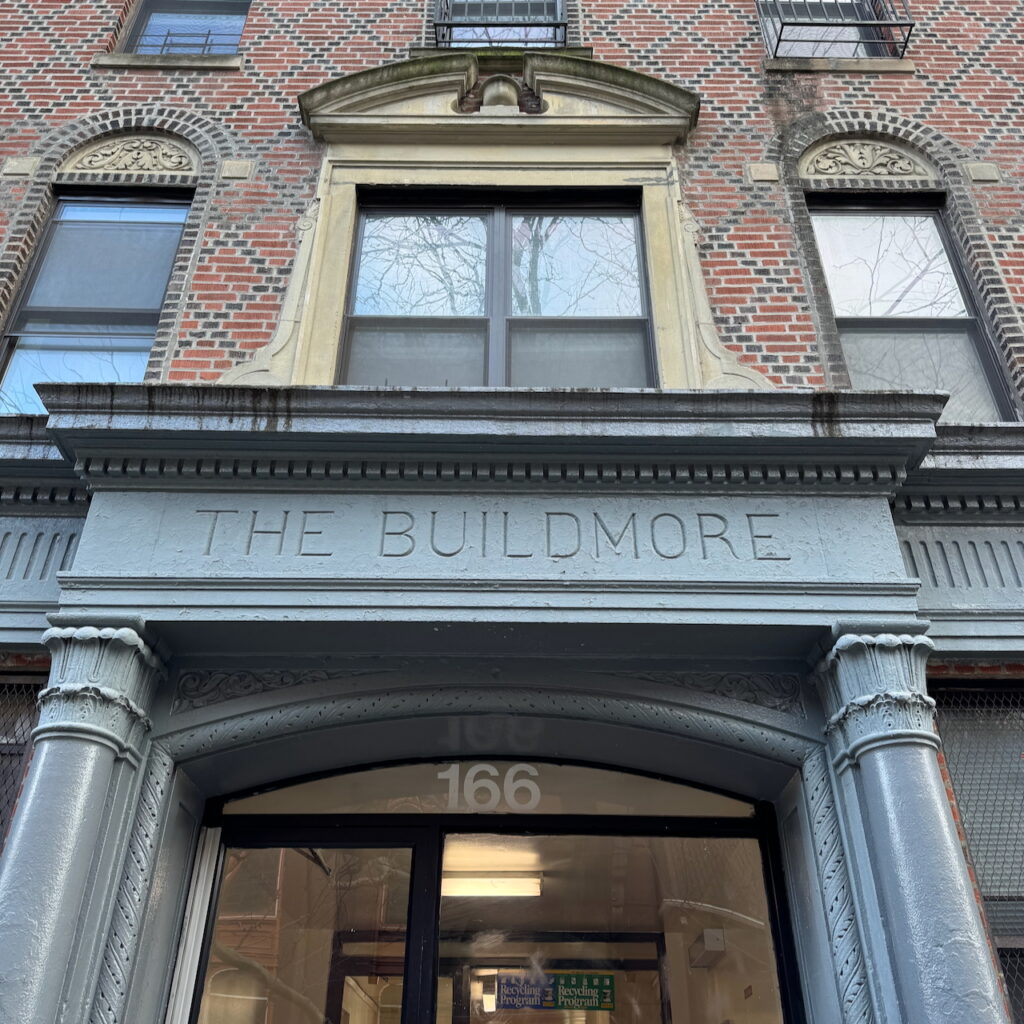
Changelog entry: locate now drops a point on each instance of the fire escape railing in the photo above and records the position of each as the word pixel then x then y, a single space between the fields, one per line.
pixel 500 23
pixel 835 28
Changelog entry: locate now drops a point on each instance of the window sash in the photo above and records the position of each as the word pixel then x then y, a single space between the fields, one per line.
pixel 985 391
pixel 499 317
pixel 142 40
pixel 69 342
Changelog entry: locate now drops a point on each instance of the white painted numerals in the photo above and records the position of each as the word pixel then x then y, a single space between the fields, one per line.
pixel 483 788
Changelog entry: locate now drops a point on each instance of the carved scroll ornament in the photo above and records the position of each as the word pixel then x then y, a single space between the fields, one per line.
pixel 863 159
pixel 147 154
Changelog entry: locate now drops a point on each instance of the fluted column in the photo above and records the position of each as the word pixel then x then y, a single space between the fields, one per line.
pixel 883 744
pixel 73 815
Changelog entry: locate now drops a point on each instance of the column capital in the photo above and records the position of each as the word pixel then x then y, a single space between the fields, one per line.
pixel 873 691
pixel 101 686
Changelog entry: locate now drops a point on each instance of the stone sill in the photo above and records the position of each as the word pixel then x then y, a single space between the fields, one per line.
pixel 868 65
pixel 170 62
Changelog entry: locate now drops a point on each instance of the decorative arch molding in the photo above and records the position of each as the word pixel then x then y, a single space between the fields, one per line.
pixel 572 97
pixel 731 723
pixel 785 744
pixel 932 150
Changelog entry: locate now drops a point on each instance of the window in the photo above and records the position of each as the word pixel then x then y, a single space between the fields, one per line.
pixel 518 294
pixel 500 23
pixel 90 308
pixel 904 317
pixel 835 28
pixel 188 27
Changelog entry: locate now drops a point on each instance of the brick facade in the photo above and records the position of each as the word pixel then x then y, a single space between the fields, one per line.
pixel 959 104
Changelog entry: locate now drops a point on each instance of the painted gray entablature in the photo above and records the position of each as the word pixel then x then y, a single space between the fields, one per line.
pixel 42 506
pixel 318 505
pixel 960 519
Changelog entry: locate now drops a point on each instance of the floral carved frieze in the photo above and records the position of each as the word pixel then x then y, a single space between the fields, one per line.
pixel 202 688
pixel 863 159
pixel 775 692
pixel 146 154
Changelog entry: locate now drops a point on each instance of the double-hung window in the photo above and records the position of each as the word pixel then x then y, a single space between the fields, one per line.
pixel 904 315
pixel 188 27
pixel 92 301
pixel 511 292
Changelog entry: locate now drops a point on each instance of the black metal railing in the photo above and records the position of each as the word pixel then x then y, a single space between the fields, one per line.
pixel 187 42
pixel 835 28
pixel 500 23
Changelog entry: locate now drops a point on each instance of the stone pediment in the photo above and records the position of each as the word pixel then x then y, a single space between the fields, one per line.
pixel 547 98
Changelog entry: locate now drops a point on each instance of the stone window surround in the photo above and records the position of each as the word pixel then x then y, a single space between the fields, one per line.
pixel 401 125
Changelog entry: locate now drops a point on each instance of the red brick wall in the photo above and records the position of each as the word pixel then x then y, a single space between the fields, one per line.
pixel 968 88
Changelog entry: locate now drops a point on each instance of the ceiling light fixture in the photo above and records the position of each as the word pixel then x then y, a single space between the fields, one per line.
pixel 502 884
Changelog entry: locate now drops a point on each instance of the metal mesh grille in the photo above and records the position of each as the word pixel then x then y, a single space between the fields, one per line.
pixel 983 736
pixel 17 717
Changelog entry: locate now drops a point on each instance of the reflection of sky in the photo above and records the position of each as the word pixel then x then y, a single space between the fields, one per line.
pixel 575 266
pixel 887 265
pixel 179 32
pixel 425 265
pixel 55 358
pixel 923 361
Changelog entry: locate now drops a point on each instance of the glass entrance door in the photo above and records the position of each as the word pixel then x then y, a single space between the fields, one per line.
pixel 559 914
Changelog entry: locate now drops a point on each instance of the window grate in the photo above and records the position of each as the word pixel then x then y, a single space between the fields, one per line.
pixel 500 23
pixel 196 43
pixel 17 718
pixel 983 737
pixel 835 28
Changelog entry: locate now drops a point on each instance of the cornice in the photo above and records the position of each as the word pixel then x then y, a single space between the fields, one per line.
pixel 34 475
pixel 971 470
pixel 224 437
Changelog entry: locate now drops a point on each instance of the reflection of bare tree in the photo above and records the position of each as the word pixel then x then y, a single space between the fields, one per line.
pixel 275 987
pixel 424 265
pixel 884 266
pixel 574 266
pixel 278 915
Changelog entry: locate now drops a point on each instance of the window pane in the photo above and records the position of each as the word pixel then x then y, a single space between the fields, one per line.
pixel 64 358
pixel 188 32
pixel 557 356
pixel 887 265
pixel 106 265
pixel 608 929
pixel 535 788
pixel 449 356
pixel 923 361
pixel 422 265
pixel 575 266
pixel 327 943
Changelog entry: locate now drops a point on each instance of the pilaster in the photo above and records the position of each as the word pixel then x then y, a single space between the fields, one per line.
pixel 69 834
pixel 926 935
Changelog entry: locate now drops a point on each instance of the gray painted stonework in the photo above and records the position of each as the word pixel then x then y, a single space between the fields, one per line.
pixel 706 586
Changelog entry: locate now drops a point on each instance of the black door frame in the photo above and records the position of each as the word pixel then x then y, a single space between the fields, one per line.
pixel 424 835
